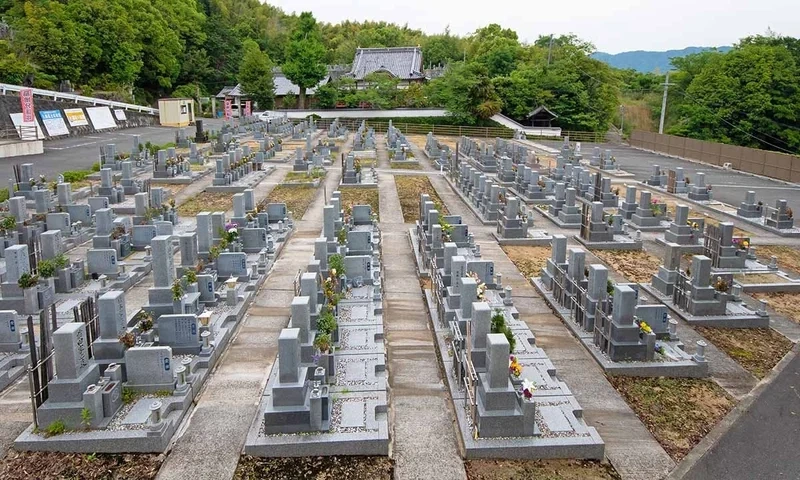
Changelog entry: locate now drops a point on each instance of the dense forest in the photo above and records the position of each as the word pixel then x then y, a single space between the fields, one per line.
pixel 140 50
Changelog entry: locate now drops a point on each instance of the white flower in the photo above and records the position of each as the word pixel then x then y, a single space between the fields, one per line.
pixel 528 385
pixel 233 230
pixel 333 271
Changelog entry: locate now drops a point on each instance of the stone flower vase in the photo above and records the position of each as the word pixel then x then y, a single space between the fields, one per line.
pixel 177 306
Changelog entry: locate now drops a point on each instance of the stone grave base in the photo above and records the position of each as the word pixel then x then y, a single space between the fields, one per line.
pixel 561 431
pixel 483 168
pixel 750 266
pixel 181 179
pixel 366 435
pixel 785 285
pixel 759 222
pixel 365 183
pixel 737 314
pixel 535 238
pixel 663 226
pixel 248 181
pixel 12 367
pixel 621 242
pixel 548 200
pixel 422 267
pixel 663 367
pixel 697 249
pixel 468 202
pixel 401 163
pixel 556 220
pixel 611 173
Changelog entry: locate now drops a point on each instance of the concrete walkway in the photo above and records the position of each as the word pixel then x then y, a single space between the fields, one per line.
pixel 228 403
pixel 423 432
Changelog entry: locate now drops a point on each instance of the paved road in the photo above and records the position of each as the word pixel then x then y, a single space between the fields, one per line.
pixel 761 443
pixel 79 153
pixel 729 186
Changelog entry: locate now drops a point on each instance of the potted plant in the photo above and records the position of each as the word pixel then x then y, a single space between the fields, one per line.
pixel 30 293
pixel 327 324
pixel 128 339
pixel 191 280
pixel 325 356
pixel 177 296
pixel 145 324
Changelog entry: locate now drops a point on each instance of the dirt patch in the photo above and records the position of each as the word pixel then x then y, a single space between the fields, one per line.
pixel 52 465
pixel 206 202
pixel 529 260
pixel 361 196
pixel 425 283
pixel 635 265
pixel 539 469
pixel 351 468
pixel 758 278
pixel 758 350
pixel 709 220
pixel 788 257
pixel 406 166
pixel 787 304
pixel 296 198
pixel 304 177
pixel 409 188
pixel 679 412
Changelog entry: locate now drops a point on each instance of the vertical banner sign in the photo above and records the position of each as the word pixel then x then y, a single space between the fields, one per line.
pixel 247 108
pixel 26 98
pixel 228 109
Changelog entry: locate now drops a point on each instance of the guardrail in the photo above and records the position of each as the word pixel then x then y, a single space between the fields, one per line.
pixel 71 97
pixel 23 132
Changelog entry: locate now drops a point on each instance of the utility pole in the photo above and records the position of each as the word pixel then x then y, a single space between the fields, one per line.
pixel 664 105
pixel 550 51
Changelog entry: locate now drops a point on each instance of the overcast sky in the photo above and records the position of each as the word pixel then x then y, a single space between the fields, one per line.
pixel 612 25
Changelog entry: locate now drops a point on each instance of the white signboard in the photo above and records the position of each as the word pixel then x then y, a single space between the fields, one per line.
pixel 101 118
pixel 27 132
pixel 54 123
pixel 76 117
pixel 120 114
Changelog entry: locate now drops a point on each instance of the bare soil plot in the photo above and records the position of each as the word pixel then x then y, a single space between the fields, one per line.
pixel 302 177
pixel 540 469
pixel 405 166
pixel 206 202
pixel 528 260
pixel 361 196
pixel 758 278
pixel 55 466
pixel 788 257
pixel 635 265
pixel 342 467
pixel 296 198
pixel 679 412
pixel 758 350
pixel 409 188
pixel 787 304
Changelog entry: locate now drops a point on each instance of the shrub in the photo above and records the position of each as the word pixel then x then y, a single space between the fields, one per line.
pixel 336 262
pixel 499 326
pixel 96 167
pixel 47 268
pixel 8 223
pixel 27 280
pixel 4 195
pixel 326 322
pixel 61 261
pixel 73 176
pixel 322 342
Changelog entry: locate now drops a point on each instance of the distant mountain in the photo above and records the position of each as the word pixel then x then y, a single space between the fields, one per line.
pixel 649 61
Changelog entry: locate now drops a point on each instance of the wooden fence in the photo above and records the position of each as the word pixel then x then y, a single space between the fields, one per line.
pixel 751 160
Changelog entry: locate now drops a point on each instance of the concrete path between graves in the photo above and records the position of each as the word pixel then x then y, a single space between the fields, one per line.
pixel 423 432
pixel 629 445
pixel 228 403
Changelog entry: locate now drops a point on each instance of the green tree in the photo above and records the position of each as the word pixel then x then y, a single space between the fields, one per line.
pixel 305 56
pixel 255 75
pixel 442 49
pixel 467 92
pixel 327 95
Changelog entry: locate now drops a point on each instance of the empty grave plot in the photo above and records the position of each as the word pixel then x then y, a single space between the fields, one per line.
pixel 296 198
pixel 545 469
pixel 709 220
pixel 409 188
pixel 304 177
pixel 405 166
pixel 786 304
pixel 53 465
pixel 758 350
pixel 206 202
pixel 635 265
pixel 353 468
pixel 788 257
pixel 528 260
pixel 679 412
pixel 361 196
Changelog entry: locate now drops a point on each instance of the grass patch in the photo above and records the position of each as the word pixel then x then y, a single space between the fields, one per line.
pixel 635 265
pixel 406 166
pixel 54 465
pixel 355 467
pixel 758 350
pixel 409 188
pixel 206 202
pixel 528 260
pixel 539 469
pixel 297 199
pixel 303 177
pixel 361 196
pixel 679 412
pixel 788 257
pixel 786 304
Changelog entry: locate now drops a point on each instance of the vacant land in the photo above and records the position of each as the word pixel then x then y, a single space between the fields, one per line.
pixel 758 350
pixel 296 198
pixel 350 468
pixel 540 469
pixel 405 166
pixel 206 202
pixel 95 466
pixel 361 196
pixel 679 412
pixel 635 265
pixel 529 260
pixel 786 304
pixel 788 257
pixel 409 188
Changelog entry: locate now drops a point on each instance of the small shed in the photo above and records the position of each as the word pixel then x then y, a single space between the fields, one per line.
pixel 541 117
pixel 176 112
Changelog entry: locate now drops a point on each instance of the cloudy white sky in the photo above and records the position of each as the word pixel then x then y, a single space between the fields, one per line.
pixel 612 25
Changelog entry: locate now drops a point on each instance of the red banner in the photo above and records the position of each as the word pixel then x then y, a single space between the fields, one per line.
pixel 247 108
pixel 228 109
pixel 26 98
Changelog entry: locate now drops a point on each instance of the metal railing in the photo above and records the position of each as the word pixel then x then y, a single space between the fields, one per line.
pixel 23 132
pixel 71 97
